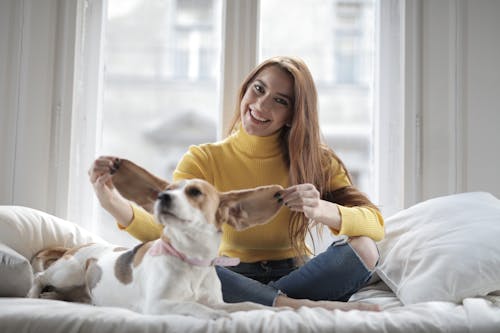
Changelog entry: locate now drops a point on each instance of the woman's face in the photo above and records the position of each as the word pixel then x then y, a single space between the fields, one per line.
pixel 268 102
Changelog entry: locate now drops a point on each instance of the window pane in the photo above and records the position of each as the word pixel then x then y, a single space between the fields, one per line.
pixel 336 40
pixel 161 81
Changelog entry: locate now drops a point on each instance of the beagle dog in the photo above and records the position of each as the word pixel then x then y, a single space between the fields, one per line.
pixel 172 275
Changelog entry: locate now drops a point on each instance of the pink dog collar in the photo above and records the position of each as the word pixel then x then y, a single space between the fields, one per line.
pixel 161 247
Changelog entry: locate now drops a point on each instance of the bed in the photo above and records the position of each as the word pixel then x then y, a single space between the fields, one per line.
pixel 439 272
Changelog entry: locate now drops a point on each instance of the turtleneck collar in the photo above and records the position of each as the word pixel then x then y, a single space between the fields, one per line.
pixel 257 146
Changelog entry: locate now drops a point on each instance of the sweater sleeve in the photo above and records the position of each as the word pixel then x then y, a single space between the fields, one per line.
pixel 361 221
pixel 356 220
pixel 143 225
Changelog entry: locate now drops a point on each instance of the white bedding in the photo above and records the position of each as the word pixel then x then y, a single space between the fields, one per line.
pixel 20 315
pixel 440 271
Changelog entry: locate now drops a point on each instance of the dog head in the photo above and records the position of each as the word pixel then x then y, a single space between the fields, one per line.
pixel 196 203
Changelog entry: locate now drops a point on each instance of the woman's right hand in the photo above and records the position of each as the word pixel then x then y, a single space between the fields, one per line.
pixel 101 176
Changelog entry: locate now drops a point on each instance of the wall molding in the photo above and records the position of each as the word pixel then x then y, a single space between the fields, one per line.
pixel 62 108
pixel 458 133
pixel 11 42
pixel 412 94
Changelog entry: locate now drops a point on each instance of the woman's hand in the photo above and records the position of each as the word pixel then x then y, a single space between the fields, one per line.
pixel 306 198
pixel 100 175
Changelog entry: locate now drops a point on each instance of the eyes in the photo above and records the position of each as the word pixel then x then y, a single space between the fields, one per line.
pixel 259 89
pixel 193 192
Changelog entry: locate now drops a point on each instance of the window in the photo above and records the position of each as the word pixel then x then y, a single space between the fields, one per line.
pixel 161 61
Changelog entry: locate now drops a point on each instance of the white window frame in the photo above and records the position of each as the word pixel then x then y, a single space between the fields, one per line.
pixel 86 126
pixel 398 109
pixel 240 47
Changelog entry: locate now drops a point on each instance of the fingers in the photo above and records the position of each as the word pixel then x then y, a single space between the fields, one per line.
pixel 104 190
pixel 105 181
pixel 101 166
pixel 299 197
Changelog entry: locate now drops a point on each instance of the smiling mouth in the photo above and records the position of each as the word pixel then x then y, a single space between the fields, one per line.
pixel 257 118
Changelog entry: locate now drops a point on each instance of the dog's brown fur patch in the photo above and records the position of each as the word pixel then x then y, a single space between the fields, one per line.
pixel 246 208
pixel 207 202
pixel 93 273
pixel 45 258
pixel 141 252
pixel 137 184
pixel 73 250
pixel 123 264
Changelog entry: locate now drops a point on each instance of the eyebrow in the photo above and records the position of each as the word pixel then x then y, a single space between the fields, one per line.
pixel 290 99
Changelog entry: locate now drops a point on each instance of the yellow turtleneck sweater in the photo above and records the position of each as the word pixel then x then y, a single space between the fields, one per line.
pixel 244 161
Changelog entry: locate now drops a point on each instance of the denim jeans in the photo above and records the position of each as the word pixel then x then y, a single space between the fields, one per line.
pixel 333 275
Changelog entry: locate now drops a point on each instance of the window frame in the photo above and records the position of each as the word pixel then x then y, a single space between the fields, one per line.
pixel 398 109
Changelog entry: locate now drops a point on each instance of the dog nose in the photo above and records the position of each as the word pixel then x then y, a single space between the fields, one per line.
pixel 164 198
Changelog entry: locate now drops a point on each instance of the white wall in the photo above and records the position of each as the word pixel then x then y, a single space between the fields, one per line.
pixel 27 58
pixel 460 91
pixel 456 98
pixel 45 83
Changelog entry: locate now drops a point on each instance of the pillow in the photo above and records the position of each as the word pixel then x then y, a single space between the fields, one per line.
pixel 443 249
pixel 23 233
pixel 15 273
pixel 27 231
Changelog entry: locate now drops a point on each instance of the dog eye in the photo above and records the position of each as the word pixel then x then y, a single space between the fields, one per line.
pixel 193 192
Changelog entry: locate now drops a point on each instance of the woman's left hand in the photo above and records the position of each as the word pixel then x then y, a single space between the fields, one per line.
pixel 306 198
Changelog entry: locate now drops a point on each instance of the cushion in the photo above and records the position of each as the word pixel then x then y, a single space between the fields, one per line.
pixel 27 231
pixel 15 273
pixel 23 233
pixel 443 249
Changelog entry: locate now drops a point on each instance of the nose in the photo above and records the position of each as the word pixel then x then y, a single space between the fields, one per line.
pixel 263 104
pixel 164 198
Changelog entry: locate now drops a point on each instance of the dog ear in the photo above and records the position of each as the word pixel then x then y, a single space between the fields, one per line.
pixel 136 184
pixel 246 208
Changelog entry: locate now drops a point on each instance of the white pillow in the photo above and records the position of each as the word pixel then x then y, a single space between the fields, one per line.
pixel 27 231
pixel 443 249
pixel 15 273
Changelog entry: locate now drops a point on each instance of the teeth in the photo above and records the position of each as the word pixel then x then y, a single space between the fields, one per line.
pixel 256 117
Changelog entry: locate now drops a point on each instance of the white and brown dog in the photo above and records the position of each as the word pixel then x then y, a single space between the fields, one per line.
pixel 172 275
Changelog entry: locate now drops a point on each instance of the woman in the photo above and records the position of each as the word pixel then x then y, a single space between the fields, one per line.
pixel 275 139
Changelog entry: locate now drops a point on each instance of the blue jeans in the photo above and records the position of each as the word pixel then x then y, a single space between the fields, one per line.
pixel 333 275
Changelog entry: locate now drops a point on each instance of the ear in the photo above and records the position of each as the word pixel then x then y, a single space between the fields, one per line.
pixel 137 184
pixel 247 208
